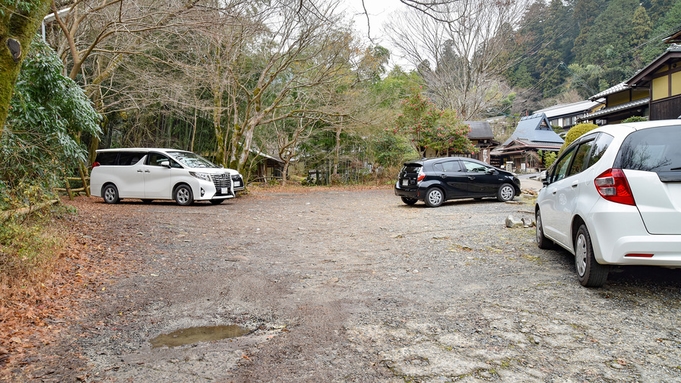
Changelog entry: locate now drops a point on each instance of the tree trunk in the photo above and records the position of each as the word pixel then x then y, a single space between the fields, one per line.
pixel 17 29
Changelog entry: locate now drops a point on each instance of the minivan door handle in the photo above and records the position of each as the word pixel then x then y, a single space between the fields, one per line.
pixel 139 170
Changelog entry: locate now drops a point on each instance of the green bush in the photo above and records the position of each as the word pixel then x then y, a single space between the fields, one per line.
pixel 575 132
pixel 635 119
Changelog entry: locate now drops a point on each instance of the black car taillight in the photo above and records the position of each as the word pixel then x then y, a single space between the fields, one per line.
pixel 421 175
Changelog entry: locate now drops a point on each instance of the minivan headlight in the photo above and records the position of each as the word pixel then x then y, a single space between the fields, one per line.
pixel 201 176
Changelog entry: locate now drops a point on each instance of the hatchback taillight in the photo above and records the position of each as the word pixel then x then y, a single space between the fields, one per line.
pixel 421 175
pixel 612 185
pixel 95 164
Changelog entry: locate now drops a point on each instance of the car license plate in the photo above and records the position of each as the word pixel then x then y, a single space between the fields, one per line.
pixel 405 182
pixel 224 190
pixel 237 183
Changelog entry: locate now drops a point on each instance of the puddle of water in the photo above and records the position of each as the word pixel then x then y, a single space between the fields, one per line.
pixel 198 334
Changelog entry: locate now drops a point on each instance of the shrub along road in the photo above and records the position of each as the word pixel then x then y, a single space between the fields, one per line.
pixel 351 285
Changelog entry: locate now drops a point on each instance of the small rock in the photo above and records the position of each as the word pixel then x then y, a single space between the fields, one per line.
pixel 512 222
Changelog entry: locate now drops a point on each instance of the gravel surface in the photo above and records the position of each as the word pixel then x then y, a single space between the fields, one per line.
pixel 339 285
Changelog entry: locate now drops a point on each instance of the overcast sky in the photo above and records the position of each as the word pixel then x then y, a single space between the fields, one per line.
pixel 379 12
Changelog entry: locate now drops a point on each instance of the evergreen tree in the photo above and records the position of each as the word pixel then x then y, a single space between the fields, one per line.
pixel 610 47
pixel 669 23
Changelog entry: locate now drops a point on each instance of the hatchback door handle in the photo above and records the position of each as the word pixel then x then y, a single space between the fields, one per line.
pixel 575 184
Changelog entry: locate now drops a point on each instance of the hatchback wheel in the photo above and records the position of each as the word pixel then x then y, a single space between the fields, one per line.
pixel 434 197
pixel 409 201
pixel 590 272
pixel 542 241
pixel 110 194
pixel 505 193
pixel 183 195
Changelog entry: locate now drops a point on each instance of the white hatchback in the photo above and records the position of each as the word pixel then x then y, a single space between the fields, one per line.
pixel 154 173
pixel 613 197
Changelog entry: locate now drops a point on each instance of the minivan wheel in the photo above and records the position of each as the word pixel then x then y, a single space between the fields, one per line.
pixel 110 194
pixel 506 193
pixel 434 197
pixel 542 241
pixel 409 201
pixel 590 272
pixel 183 195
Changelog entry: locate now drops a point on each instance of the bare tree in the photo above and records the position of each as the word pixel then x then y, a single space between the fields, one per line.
pixel 455 46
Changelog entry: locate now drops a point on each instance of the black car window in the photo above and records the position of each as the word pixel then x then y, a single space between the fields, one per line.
pixel 155 159
pixel 107 158
pixel 129 158
pixel 656 150
pixel 412 168
pixel 451 166
pixel 581 158
pixel 600 146
pixel 474 166
pixel 562 166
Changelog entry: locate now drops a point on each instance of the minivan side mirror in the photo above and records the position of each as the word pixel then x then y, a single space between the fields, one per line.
pixel 165 163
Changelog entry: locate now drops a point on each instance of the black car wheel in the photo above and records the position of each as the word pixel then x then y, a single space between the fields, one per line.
pixel 434 197
pixel 506 193
pixel 409 201
pixel 590 272
pixel 110 194
pixel 542 241
pixel 183 195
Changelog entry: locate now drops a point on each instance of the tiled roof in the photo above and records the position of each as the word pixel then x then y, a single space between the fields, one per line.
pixel 535 129
pixel 568 109
pixel 616 108
pixel 480 130
pixel 612 90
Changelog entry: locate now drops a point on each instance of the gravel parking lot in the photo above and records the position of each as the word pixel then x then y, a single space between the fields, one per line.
pixel 341 285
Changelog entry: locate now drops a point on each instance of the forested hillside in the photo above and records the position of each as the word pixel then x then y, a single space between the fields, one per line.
pixel 586 46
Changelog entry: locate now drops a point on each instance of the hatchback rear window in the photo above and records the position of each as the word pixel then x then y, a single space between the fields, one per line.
pixel 412 168
pixel 655 150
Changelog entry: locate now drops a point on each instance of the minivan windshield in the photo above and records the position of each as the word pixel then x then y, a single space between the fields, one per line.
pixel 192 160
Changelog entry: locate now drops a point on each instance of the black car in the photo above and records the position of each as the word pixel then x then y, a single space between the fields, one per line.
pixel 437 180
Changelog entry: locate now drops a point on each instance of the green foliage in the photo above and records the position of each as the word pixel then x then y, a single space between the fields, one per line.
pixel 48 112
pixel 428 127
pixel 635 119
pixel 667 24
pixel 391 150
pixel 29 244
pixel 610 47
pixel 547 158
pixel 575 132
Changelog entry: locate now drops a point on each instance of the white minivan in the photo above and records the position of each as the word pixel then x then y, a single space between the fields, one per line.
pixel 155 173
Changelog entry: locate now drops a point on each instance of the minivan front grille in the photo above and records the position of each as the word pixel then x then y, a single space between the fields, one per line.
pixel 222 181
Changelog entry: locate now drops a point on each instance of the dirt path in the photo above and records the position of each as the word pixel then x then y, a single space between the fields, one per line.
pixel 353 286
